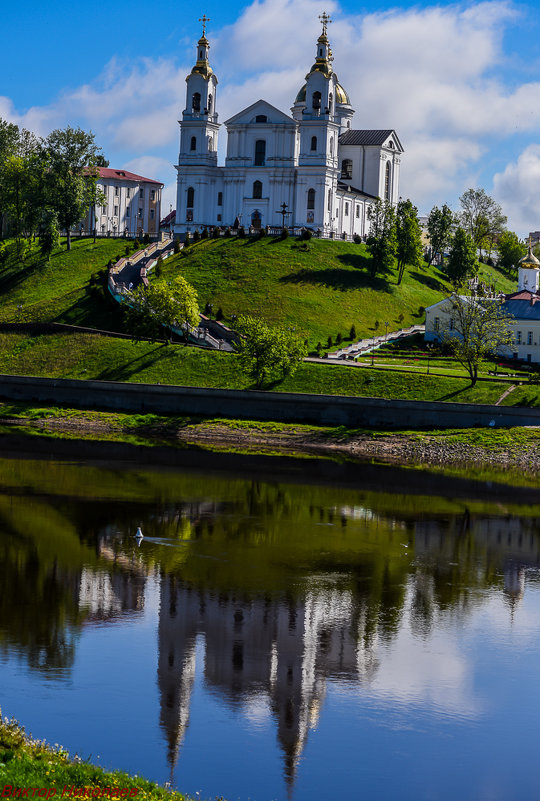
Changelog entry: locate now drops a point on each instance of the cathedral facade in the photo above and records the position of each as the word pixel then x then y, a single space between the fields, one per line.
pixel 311 169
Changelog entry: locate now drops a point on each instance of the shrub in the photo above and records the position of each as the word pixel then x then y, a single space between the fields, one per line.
pixel 241 232
pixel 421 311
pixel 227 233
pixel 187 240
pixel 352 332
pixel 215 232
pixel 196 235
pixel 339 339
pixel 329 343
pixel 357 239
pixel 159 267
pixel 306 234
pixel 401 317
pixel 136 244
pixel 262 233
pixel 146 239
pixel 318 347
pixel 204 234
pixel 219 315
pixel 284 234
pixel 127 250
pixel 176 246
pixel 376 325
pixel 208 309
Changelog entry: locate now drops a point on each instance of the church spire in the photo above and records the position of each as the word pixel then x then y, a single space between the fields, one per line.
pixel 202 67
pixel 324 58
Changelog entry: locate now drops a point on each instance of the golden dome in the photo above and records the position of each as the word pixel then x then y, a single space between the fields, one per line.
pixel 530 259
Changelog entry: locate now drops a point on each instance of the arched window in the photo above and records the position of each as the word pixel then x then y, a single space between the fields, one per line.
pixel 260 152
pixel 196 101
pixel 331 145
pixel 193 144
pixel 311 199
pixel 313 143
pixel 329 200
pixel 316 100
pixel 261 118
pixel 387 181
pixel 209 104
pixel 220 198
pixel 257 189
pixel 330 100
pixel 346 168
pixel 190 197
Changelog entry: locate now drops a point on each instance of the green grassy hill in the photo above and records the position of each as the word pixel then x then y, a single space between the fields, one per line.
pixel 321 290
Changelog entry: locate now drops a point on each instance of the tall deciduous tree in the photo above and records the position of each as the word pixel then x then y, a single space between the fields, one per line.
pixel 511 249
pixel 481 216
pixel 381 241
pixel 439 227
pixel 268 352
pixel 71 187
pixel 462 262
pixel 163 305
pixel 408 237
pixel 480 328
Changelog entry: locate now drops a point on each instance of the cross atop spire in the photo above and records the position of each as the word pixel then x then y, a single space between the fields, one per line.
pixel 204 19
pixel 325 19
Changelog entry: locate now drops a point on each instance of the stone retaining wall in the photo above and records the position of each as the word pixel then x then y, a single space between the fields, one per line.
pixel 256 405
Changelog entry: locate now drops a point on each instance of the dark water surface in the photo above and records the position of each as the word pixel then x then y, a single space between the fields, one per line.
pixel 289 633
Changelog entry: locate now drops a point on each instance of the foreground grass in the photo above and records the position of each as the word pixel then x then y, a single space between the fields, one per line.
pixel 85 356
pixel 29 763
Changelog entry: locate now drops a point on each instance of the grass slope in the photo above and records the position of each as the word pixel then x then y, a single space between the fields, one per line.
pixel 321 290
pixel 105 358
pixel 59 290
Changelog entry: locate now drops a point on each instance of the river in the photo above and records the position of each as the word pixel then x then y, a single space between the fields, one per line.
pixel 283 630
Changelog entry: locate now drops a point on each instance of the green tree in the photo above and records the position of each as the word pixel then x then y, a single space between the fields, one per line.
pixel 9 137
pixel 462 261
pixel 439 228
pixel 408 237
pixel 511 249
pixel 71 176
pixel 481 217
pixel 268 352
pixel 381 241
pixel 480 328
pixel 49 237
pixel 163 305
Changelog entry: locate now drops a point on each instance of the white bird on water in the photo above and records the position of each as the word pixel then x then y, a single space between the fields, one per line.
pixel 139 536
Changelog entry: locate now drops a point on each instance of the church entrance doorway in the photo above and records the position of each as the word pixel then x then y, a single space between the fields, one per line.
pixel 256 219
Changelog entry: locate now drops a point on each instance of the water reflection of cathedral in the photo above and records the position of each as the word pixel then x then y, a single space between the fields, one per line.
pixel 284 649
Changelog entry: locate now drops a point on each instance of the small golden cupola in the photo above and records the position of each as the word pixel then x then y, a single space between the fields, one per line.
pixel 202 66
pixel 529 271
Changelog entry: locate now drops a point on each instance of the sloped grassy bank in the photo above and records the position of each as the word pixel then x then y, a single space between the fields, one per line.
pixel 511 455
pixel 30 768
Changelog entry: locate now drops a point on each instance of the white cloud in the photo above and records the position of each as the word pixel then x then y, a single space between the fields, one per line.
pixel 516 189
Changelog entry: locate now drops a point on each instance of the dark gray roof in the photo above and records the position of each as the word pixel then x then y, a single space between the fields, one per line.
pixel 368 137
pixel 522 309
pixel 352 190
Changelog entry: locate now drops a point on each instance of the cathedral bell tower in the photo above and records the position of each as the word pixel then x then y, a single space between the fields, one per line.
pixel 197 159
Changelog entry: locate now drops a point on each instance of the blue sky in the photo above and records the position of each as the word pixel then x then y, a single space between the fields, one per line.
pixel 460 83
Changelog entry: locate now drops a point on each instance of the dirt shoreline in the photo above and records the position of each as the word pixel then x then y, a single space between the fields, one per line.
pixel 409 449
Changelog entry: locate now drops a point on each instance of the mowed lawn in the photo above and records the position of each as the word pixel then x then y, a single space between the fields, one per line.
pixel 320 288
pixel 59 290
pixel 100 357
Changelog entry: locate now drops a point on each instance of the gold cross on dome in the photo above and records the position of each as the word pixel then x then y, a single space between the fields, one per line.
pixel 204 19
pixel 325 19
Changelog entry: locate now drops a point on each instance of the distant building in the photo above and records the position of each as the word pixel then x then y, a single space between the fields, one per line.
pixel 132 205
pixel 523 306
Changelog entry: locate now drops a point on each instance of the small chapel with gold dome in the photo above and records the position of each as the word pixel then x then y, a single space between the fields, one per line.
pixel 313 166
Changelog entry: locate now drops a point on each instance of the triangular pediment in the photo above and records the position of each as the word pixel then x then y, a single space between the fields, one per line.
pixel 255 113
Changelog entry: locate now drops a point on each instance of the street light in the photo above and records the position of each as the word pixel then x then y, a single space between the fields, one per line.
pixel 429 349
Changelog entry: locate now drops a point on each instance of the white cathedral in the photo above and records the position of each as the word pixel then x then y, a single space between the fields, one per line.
pixel 312 165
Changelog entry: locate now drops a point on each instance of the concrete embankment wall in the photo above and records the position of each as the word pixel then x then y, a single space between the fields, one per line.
pixel 285 407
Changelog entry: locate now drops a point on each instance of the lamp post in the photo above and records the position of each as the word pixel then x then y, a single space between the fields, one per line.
pixel 429 354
